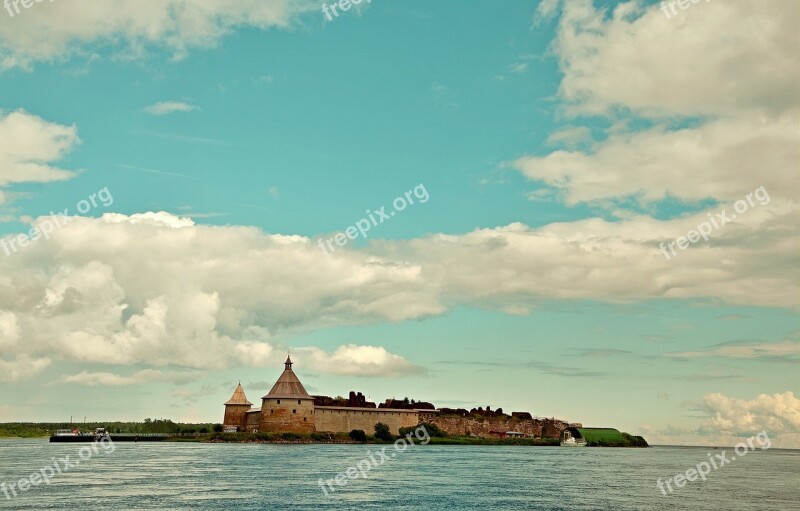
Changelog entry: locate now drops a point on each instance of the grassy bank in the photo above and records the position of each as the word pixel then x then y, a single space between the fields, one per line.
pixel 344 438
pixel 45 429
pixel 179 432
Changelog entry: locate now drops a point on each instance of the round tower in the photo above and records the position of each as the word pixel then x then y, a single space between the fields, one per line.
pixel 287 408
pixel 236 409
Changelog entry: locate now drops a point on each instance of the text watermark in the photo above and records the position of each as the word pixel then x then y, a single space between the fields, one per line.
pixel 56 220
pixel 682 4
pixel 344 5
pixel 704 229
pixel 27 4
pixel 365 465
pixel 58 467
pixel 703 468
pixel 362 226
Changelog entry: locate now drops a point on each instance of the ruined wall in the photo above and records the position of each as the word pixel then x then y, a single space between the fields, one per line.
pixel 483 426
pixel 345 420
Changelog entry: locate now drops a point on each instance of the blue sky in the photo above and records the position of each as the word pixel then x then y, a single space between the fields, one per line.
pixel 557 145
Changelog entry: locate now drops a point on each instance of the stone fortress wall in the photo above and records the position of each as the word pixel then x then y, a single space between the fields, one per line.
pixel 288 408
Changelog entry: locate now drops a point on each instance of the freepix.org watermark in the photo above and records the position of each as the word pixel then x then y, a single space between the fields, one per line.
pixel 717 461
pixel 365 465
pixel 704 229
pixel 58 467
pixel 27 4
pixel 344 5
pixel 376 218
pixel 682 4
pixel 45 228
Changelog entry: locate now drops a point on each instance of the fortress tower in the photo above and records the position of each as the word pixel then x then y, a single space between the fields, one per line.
pixel 287 407
pixel 236 409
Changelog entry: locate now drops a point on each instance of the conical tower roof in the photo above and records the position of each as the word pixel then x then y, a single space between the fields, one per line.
pixel 288 385
pixel 238 397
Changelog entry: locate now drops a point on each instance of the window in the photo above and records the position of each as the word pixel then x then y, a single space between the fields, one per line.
pixel 304 419
pixel 294 411
pixel 279 401
pixel 298 401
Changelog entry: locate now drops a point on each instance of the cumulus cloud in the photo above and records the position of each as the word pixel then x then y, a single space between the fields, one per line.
pixel 353 360
pixel 737 110
pixel 58 30
pixel 718 58
pixel 570 136
pixel 29 146
pixel 728 421
pixel 96 291
pixel 715 160
pixel 168 107
pixel 777 414
pixel 22 368
pixel 93 379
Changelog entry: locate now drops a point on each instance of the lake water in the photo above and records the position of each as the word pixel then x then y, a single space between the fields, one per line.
pixel 172 476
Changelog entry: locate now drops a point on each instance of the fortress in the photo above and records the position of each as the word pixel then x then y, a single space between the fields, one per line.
pixel 288 408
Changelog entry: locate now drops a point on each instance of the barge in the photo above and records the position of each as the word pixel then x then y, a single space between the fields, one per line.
pixel 75 436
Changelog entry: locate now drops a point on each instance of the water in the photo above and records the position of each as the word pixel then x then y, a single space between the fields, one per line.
pixel 170 476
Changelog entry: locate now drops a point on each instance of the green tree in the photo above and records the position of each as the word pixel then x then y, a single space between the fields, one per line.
pixel 432 429
pixel 382 431
pixel 358 435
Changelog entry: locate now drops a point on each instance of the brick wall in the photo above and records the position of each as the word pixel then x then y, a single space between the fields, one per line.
pixel 346 420
pixel 235 415
pixel 253 421
pixel 287 416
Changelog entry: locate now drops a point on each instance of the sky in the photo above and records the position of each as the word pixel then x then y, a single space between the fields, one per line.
pixel 585 210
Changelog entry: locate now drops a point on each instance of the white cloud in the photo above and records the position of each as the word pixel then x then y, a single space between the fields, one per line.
pixel 777 414
pixel 789 350
pixel 353 360
pixel 742 103
pixel 9 330
pixel 168 107
pixel 729 421
pixel 58 30
pixel 721 57
pixel 570 136
pixel 715 160
pixel 96 291
pixel 22 368
pixel 94 379
pixel 28 147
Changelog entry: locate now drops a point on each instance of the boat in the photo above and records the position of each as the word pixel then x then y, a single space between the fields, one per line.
pixel 100 434
pixel 572 442
pixel 569 440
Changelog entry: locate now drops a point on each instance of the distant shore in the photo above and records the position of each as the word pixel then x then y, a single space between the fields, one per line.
pixel 211 433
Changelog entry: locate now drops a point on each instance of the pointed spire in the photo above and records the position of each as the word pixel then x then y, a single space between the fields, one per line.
pixel 288 385
pixel 238 397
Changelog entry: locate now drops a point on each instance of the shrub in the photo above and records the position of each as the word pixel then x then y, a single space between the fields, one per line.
pixel 433 430
pixel 358 435
pixel 217 428
pixel 382 432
